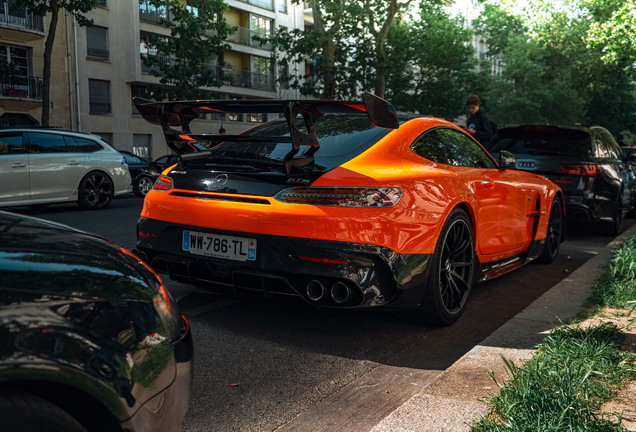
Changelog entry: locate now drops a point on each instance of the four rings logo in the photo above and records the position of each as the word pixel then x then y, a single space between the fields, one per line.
pixel 216 182
pixel 525 164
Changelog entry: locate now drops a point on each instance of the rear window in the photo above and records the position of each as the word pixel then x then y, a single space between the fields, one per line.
pixel 341 138
pixel 529 142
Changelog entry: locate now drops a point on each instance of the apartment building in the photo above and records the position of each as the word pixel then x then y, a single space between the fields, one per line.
pixel 96 71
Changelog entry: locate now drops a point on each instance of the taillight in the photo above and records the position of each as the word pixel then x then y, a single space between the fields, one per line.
pixel 321 260
pixel 342 197
pixel 586 170
pixel 163 184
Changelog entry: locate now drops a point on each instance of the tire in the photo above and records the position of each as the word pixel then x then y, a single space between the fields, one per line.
pixel 452 273
pixel 95 191
pixel 142 186
pixel 613 228
pixel 24 412
pixel 555 231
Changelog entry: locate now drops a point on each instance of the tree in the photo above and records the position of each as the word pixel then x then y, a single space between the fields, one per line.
pixel 41 8
pixel 189 59
pixel 430 63
pixel 550 74
pixel 614 29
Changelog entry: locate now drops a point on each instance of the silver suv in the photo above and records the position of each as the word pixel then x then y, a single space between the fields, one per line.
pixel 39 167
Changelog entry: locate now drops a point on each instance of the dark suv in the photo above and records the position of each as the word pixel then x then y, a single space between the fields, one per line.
pixel 586 162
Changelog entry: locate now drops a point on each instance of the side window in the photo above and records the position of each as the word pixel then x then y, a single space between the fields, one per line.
pixel 71 144
pixel 162 159
pixel 431 146
pixel 600 146
pixel 87 146
pixel 615 151
pixel 11 144
pixel 450 147
pixel 466 152
pixel 46 143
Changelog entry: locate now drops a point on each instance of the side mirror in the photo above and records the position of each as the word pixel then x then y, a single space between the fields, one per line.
pixel 506 160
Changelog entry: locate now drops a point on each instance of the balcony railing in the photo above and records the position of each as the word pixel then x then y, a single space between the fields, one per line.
pixel 22 87
pixel 99 108
pixel 243 78
pixel 265 4
pixel 97 54
pixel 244 36
pixel 20 18
pixel 154 16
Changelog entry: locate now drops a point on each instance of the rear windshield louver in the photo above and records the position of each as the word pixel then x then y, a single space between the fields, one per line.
pixel 222 198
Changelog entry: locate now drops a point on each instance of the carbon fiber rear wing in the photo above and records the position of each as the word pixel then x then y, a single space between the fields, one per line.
pixel 180 114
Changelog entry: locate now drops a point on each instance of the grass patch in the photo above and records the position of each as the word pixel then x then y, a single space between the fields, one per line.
pixel 561 387
pixel 575 369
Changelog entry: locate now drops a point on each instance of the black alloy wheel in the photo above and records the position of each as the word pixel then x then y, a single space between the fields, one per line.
pixel 95 191
pixel 555 231
pixel 143 185
pixel 452 274
pixel 613 228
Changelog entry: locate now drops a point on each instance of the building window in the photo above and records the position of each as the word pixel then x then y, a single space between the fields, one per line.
pixel 255 117
pixel 235 117
pixel 99 96
pixel 105 136
pixel 282 6
pixel 261 26
pixel 97 43
pixel 142 146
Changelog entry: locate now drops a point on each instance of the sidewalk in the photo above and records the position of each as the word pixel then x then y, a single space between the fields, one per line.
pixel 452 399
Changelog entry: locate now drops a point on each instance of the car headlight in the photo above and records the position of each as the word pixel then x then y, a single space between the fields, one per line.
pixel 169 314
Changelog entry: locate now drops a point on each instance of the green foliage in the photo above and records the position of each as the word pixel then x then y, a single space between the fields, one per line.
pixel 616 286
pixel 430 64
pixel 550 73
pixel 563 384
pixel 187 61
pixel 614 30
pixel 77 8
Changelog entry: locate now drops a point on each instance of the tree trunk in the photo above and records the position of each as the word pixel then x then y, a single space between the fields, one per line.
pixel 46 77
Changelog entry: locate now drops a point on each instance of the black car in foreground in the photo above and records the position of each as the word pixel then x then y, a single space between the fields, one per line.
pixel 586 162
pixel 90 339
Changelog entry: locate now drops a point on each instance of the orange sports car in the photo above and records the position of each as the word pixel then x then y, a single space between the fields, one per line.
pixel 343 205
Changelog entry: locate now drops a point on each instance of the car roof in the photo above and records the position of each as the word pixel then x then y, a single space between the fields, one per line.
pixel 551 128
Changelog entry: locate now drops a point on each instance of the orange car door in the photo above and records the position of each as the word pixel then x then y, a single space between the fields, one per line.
pixel 500 211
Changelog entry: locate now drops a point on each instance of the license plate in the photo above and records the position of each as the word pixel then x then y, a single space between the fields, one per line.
pixel 219 246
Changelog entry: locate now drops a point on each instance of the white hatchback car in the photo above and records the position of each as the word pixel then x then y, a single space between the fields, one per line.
pixel 39 167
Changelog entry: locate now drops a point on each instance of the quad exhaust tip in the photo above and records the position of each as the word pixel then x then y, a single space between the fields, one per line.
pixel 340 292
pixel 315 290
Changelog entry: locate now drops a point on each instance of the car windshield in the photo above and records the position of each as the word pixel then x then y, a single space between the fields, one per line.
pixel 341 138
pixel 532 142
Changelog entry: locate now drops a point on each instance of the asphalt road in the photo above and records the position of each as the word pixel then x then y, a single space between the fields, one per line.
pixel 282 365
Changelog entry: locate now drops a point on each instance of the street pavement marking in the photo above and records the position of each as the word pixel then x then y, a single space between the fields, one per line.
pixel 209 307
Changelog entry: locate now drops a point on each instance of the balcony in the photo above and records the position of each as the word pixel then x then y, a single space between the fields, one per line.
pixel 97 54
pixel 154 16
pixel 265 4
pixel 21 22
pixel 244 78
pixel 228 76
pixel 243 36
pixel 22 88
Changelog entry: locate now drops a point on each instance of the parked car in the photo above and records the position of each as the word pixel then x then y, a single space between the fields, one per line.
pixel 586 162
pixel 144 173
pixel 361 209
pixel 40 166
pixel 90 339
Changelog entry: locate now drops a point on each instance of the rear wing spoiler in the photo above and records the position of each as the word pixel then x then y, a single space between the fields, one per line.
pixel 179 114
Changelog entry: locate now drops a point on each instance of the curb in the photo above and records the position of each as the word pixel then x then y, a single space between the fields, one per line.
pixel 452 400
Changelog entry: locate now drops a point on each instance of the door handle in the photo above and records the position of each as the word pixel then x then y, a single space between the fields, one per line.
pixel 18 165
pixel 72 163
pixel 488 184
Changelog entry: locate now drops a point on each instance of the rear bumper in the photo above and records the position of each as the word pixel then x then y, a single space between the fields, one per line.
pixel 365 276
pixel 586 207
